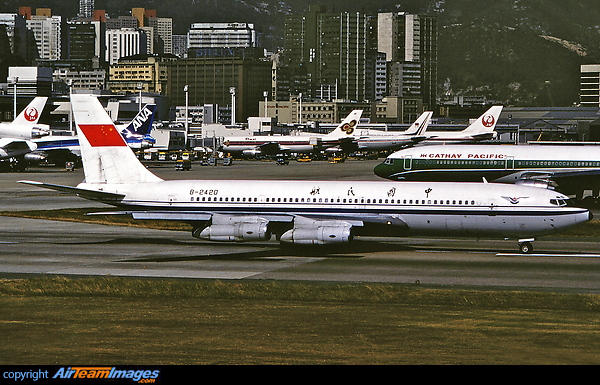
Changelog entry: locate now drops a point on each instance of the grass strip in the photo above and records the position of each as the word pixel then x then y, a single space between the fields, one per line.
pixel 144 321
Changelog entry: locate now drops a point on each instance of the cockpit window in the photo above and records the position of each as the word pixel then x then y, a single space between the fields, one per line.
pixel 560 202
pixel 389 161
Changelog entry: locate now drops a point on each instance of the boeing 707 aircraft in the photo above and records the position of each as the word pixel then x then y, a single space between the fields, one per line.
pixel 307 212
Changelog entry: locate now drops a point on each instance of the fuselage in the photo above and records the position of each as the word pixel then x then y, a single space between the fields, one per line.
pixel 500 163
pixel 473 209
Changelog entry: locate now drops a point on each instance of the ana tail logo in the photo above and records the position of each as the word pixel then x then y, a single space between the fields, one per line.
pixel 348 128
pixel 488 120
pixel 31 114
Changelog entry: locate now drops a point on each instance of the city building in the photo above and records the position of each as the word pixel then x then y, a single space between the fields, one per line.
pixel 334 49
pixel 47 31
pixel 410 45
pixel 225 81
pixel 218 35
pixel 589 90
pixel 124 42
pixel 146 73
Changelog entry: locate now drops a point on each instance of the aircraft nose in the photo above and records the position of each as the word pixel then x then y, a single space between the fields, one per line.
pixel 382 170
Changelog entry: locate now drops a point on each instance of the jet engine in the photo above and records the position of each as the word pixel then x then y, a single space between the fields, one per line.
pixel 541 183
pixel 234 229
pixel 252 152
pixel 318 233
pixel 40 131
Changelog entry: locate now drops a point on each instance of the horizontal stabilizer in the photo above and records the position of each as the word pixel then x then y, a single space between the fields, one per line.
pixel 100 196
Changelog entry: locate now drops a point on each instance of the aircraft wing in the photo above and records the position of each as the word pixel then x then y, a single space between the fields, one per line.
pixel 193 216
pixel 270 148
pixel 567 182
pixel 94 195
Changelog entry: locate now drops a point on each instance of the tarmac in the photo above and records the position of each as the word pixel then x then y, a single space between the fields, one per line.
pixel 33 247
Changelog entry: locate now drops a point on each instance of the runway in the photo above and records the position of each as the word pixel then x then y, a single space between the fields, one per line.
pixel 40 247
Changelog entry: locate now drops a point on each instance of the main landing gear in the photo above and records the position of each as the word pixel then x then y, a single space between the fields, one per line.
pixel 525 246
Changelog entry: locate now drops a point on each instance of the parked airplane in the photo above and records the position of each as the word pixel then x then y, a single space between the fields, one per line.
pixel 481 129
pixel 273 145
pixel 136 134
pixel 377 140
pixel 568 169
pixel 16 137
pixel 306 212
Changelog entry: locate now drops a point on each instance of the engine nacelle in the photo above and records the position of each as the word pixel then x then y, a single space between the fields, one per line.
pixel 252 152
pixel 40 131
pixel 319 233
pixel 232 229
pixel 541 183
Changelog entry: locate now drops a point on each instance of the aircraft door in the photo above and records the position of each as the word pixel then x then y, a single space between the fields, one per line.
pixel 510 162
pixel 408 162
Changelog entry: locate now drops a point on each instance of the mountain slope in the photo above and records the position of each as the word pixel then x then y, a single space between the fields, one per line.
pixel 524 52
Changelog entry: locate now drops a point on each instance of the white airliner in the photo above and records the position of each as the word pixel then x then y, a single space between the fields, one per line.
pixel 16 137
pixel 481 129
pixel 307 212
pixel 273 144
pixel 569 169
pixel 378 140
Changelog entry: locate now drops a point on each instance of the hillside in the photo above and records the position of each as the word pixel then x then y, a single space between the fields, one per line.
pixel 523 52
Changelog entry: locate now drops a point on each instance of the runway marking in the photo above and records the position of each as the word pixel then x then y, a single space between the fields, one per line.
pixel 548 255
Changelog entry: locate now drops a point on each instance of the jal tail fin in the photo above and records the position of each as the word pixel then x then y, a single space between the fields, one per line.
pixel 106 156
pixel 347 127
pixel 486 123
pixel 31 114
pixel 420 125
pixel 142 123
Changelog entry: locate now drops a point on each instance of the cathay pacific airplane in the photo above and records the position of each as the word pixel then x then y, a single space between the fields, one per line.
pixel 569 169
pixel 306 212
pixel 279 144
pixel 17 137
pixel 481 129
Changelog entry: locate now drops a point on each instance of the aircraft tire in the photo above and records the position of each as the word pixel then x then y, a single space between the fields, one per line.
pixel 526 247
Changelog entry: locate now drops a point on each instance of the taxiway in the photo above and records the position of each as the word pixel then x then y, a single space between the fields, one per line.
pixel 30 246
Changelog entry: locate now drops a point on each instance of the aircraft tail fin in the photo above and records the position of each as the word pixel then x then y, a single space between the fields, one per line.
pixel 420 125
pixel 486 123
pixel 347 127
pixel 105 154
pixel 142 123
pixel 31 114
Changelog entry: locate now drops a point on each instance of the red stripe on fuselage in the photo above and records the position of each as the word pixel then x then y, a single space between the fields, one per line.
pixel 100 135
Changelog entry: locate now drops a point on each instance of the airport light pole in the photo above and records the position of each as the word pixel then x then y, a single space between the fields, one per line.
pixel 139 87
pixel 300 108
pixel 187 102
pixel 232 92
pixel 15 81
pixel 266 94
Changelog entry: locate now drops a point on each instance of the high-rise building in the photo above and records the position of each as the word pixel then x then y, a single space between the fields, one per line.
pixel 124 42
pixel 47 33
pixel 410 44
pixel 212 80
pixel 163 33
pixel 589 89
pixel 86 9
pixel 222 35
pixel 334 49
